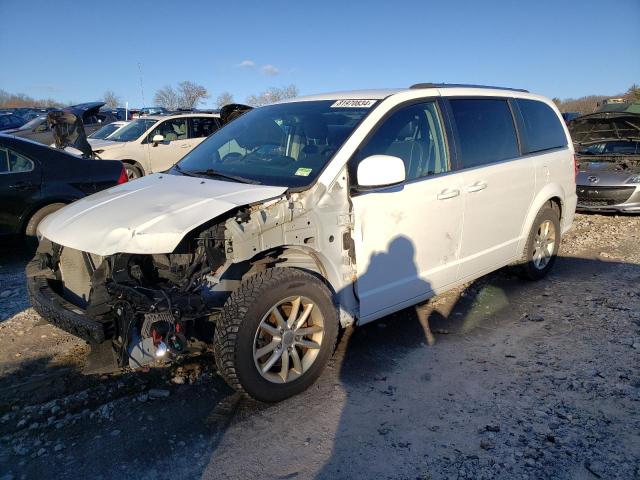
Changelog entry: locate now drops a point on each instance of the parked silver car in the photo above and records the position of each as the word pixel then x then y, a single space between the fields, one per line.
pixel 607 147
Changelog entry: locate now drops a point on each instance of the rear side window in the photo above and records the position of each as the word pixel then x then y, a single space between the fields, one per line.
pixel 12 162
pixel 542 128
pixel 486 132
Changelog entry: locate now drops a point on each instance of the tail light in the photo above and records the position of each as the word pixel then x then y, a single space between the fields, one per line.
pixel 576 165
pixel 123 176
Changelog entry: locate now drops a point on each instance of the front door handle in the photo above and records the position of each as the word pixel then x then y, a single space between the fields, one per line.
pixel 476 187
pixel 448 193
pixel 185 145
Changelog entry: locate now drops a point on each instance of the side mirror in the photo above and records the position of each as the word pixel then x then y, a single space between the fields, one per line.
pixel 380 171
pixel 157 139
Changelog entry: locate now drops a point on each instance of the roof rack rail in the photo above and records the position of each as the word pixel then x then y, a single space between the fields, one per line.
pixel 463 85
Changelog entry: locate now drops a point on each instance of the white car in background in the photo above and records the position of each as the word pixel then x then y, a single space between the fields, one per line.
pixel 100 138
pixel 154 143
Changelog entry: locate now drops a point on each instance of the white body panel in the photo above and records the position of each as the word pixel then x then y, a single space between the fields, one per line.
pixel 497 200
pixel 149 215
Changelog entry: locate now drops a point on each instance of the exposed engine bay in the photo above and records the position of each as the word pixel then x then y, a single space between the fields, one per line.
pixel 150 306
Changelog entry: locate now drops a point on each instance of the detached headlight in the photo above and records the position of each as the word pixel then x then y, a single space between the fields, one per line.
pixel 634 179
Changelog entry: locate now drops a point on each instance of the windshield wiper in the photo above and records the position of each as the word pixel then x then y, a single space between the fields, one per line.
pixel 210 172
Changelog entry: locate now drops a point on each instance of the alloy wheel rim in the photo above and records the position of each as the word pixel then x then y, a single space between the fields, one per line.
pixel 288 339
pixel 544 244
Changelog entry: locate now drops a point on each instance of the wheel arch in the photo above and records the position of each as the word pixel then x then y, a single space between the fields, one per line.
pixel 549 193
pixel 24 221
pixel 315 263
pixel 136 164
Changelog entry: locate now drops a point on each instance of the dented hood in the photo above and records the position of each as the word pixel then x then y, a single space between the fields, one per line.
pixel 149 215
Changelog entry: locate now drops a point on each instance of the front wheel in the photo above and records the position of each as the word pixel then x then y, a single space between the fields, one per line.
pixel 542 244
pixel 276 334
pixel 133 172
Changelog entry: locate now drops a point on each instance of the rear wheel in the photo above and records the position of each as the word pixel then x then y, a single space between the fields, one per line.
pixel 276 334
pixel 31 230
pixel 542 244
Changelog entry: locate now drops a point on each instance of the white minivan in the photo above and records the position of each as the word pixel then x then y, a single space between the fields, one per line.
pixel 307 216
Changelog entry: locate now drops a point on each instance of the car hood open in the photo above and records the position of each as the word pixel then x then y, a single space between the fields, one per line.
pixel 597 127
pixel 149 215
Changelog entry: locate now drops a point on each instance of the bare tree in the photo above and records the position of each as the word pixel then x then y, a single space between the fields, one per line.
pixel 191 94
pixel 225 98
pixel 632 94
pixel 290 91
pixel 111 100
pixel 272 95
pixel 167 97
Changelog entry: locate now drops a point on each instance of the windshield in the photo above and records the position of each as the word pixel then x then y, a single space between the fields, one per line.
pixel 285 145
pixel 132 131
pixel 105 131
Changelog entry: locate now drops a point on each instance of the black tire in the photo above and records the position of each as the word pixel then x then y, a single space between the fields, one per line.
pixel 31 229
pixel 528 267
pixel 133 172
pixel 242 314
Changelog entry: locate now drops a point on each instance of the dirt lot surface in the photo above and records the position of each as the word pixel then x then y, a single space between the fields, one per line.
pixel 526 380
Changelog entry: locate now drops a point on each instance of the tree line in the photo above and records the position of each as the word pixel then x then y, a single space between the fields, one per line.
pixel 17 100
pixel 190 95
pixel 590 103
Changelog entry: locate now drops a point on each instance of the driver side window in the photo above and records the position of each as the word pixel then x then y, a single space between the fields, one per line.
pixel 414 134
pixel 171 130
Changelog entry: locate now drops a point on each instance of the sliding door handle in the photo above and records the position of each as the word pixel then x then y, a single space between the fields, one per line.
pixel 448 193
pixel 476 187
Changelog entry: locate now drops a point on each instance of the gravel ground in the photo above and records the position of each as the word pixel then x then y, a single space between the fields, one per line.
pixel 526 380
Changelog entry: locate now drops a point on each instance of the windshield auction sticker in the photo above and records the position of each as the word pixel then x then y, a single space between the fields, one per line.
pixel 353 103
pixel 303 172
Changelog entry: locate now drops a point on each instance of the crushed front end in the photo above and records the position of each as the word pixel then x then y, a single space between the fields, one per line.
pixel 150 306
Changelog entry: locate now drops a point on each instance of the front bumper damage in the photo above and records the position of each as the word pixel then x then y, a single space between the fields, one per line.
pixel 148 306
pixel 58 311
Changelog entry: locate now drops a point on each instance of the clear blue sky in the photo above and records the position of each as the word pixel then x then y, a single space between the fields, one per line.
pixel 75 50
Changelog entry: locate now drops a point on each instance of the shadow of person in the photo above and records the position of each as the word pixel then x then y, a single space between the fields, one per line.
pixel 391 278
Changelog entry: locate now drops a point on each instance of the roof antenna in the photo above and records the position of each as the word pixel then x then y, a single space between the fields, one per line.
pixel 141 86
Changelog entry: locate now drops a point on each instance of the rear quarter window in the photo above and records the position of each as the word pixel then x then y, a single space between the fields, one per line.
pixel 541 125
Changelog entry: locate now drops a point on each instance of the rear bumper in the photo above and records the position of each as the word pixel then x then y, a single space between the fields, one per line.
pixel 58 311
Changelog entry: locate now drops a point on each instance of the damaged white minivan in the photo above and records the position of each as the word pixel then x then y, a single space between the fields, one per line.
pixel 307 216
